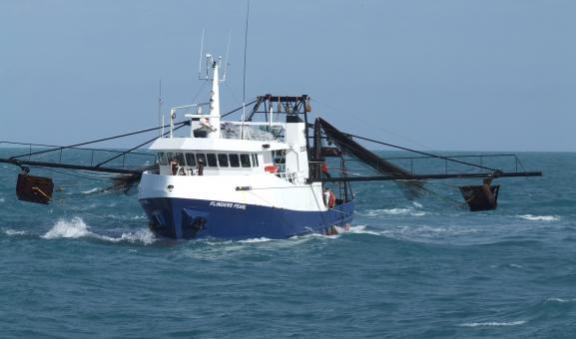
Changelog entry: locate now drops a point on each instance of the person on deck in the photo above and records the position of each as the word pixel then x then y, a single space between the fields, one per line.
pixel 200 166
pixel 174 166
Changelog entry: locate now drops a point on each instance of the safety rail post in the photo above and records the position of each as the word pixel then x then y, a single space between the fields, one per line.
pixel 446 166
pixel 29 151
pixel 92 159
pixel 61 149
pixel 124 161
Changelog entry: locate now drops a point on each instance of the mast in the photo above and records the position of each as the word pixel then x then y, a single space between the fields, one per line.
pixel 215 99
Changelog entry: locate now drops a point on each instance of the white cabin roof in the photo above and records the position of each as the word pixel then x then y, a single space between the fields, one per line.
pixel 216 145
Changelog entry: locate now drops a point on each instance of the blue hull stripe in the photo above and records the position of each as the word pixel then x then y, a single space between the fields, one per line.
pixel 188 219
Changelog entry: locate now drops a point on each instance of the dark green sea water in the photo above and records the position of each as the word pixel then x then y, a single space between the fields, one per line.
pixel 86 266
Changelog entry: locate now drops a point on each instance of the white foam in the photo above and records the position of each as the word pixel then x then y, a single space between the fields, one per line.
pixel 255 240
pixel 2 200
pixel 144 236
pixel 10 232
pixel 395 211
pixel 75 228
pixel 539 217
pixel 90 191
pixel 125 217
pixel 494 324
pixel 359 229
pixel 426 232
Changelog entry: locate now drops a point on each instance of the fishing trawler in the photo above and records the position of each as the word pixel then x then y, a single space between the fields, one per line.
pixel 240 179
pixel 265 175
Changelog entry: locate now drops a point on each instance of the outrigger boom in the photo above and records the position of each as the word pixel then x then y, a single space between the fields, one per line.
pixel 435 176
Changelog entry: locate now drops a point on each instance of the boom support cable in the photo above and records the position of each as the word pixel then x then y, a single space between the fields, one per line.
pixel 97 140
pixel 432 155
pixel 119 136
pixel 138 146
pixel 238 108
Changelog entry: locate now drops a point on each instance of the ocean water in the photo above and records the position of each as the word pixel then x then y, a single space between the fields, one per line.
pixel 86 266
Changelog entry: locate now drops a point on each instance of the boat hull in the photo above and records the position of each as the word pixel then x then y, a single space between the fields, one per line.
pixel 180 218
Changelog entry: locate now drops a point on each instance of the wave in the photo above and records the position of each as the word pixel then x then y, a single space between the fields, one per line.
pixel 142 236
pixel 255 240
pixel 494 324
pixel 91 191
pixel 393 211
pixel 125 217
pixel 531 217
pixel 77 228
pixel 359 229
pixel 560 300
pixel 10 232
pixel 427 232
pixel 2 200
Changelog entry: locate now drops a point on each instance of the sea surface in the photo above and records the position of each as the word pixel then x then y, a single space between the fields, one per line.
pixel 86 266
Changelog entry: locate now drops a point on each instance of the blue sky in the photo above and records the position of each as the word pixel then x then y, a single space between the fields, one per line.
pixel 435 75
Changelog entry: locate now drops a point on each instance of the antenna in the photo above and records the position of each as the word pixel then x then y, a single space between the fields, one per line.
pixel 245 54
pixel 201 54
pixel 160 116
pixel 226 64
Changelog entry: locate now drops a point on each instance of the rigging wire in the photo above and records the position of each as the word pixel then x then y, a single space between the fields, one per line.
pixel 138 146
pixel 199 90
pixel 237 109
pixel 98 140
pixel 366 123
pixel 178 125
pixel 432 155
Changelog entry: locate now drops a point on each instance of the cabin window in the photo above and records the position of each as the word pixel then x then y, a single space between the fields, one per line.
pixel 245 160
pixel 254 160
pixel 223 160
pixel 162 159
pixel 279 157
pixel 212 160
pixel 180 158
pixel 191 159
pixel 201 157
pixel 234 161
pixel 170 156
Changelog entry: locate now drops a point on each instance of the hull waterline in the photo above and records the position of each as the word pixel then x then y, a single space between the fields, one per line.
pixel 192 219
